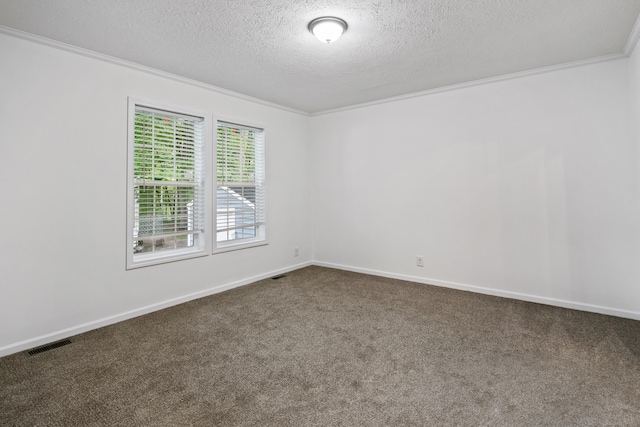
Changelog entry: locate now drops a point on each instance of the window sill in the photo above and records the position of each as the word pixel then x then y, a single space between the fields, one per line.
pixel 156 259
pixel 228 247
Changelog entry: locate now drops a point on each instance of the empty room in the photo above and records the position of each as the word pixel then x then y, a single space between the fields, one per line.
pixel 320 213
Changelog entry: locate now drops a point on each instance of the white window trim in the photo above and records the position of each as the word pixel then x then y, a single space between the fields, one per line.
pixel 261 238
pixel 143 260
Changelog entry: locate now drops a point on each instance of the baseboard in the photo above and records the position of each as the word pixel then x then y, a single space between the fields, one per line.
pixel 75 330
pixel 99 323
pixel 489 291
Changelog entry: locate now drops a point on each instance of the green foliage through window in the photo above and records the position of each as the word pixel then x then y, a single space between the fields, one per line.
pixel 236 154
pixel 240 176
pixel 166 175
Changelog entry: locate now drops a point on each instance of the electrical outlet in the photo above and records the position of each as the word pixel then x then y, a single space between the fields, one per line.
pixel 420 261
pixel 296 252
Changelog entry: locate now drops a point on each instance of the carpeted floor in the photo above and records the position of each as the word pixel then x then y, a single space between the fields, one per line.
pixel 323 347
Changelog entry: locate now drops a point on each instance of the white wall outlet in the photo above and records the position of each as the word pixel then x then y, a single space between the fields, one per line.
pixel 420 261
pixel 296 252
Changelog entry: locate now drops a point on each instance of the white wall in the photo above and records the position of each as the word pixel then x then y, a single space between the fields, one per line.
pixel 634 90
pixel 525 188
pixel 63 160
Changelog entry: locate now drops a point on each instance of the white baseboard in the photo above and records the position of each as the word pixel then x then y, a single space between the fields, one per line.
pixel 75 330
pixel 490 291
pixel 99 323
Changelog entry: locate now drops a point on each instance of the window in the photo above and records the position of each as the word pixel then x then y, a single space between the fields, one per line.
pixel 240 190
pixel 167 192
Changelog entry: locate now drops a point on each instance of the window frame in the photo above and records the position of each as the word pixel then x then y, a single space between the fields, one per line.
pixel 204 247
pixel 261 232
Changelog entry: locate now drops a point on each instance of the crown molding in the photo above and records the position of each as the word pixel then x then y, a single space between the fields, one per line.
pixel 629 47
pixel 473 83
pixel 149 70
pixel 632 41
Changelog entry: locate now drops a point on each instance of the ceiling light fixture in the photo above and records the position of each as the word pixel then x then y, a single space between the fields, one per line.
pixel 327 28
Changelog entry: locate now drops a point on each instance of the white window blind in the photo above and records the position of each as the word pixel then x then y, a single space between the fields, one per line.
pixel 168 182
pixel 240 198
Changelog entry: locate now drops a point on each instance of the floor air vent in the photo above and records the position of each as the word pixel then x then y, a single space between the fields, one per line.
pixel 48 347
pixel 279 276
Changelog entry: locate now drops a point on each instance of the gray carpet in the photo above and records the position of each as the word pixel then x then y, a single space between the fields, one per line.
pixel 323 347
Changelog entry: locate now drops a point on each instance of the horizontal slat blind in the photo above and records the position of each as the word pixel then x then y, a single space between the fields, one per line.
pixel 240 181
pixel 168 180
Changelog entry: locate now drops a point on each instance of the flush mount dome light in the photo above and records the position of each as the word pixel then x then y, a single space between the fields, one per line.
pixel 328 28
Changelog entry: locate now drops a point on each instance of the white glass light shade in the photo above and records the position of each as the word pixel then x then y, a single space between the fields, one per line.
pixel 327 29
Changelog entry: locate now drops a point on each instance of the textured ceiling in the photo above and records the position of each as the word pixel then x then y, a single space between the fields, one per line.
pixel 262 48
